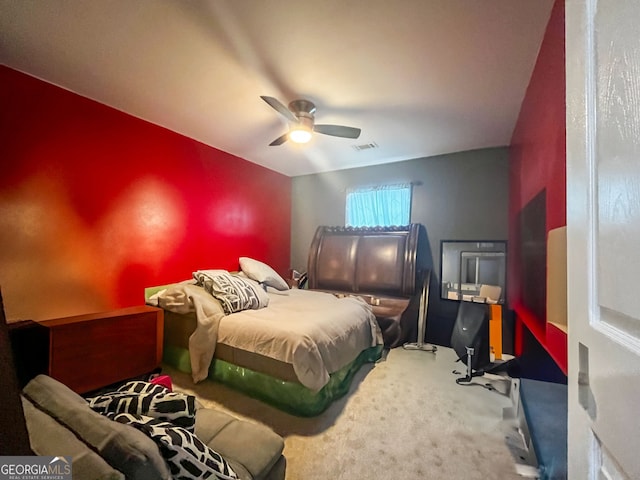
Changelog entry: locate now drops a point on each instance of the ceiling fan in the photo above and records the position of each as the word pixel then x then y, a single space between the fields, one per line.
pixel 301 115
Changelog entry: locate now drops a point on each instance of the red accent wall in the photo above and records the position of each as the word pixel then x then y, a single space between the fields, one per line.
pixel 538 161
pixel 96 205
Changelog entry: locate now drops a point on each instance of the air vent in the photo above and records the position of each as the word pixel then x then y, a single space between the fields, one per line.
pixel 365 146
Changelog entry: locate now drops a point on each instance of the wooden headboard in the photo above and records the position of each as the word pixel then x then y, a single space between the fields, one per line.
pixel 379 260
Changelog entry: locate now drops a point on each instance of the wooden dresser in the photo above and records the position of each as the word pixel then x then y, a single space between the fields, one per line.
pixel 87 352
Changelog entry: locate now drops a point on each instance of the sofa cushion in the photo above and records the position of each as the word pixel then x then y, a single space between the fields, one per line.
pixel 232 437
pixel 122 446
pixel 187 456
pixel 50 438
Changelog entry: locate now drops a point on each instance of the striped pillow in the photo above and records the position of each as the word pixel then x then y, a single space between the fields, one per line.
pixel 187 456
pixel 143 398
pixel 232 291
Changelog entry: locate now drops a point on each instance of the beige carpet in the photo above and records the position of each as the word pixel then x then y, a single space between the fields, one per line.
pixel 404 418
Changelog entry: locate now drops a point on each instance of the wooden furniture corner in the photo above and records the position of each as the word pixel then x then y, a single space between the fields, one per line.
pixel 87 352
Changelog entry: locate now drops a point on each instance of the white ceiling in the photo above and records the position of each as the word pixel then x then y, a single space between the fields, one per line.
pixel 419 77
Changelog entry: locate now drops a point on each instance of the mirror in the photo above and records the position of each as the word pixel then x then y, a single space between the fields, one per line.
pixel 473 270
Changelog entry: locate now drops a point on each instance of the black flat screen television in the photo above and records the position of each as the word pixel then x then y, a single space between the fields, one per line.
pixel 533 255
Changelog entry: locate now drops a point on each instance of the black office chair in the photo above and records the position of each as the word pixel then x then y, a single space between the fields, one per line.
pixel 470 338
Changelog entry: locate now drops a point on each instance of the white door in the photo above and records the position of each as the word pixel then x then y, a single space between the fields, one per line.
pixel 603 237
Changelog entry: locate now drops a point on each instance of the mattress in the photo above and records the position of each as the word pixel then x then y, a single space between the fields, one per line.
pixel 263 375
pixel 179 327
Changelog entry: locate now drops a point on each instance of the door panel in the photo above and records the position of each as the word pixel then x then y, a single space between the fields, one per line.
pixel 616 48
pixel 603 236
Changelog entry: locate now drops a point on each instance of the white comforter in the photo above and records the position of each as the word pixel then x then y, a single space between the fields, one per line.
pixel 316 332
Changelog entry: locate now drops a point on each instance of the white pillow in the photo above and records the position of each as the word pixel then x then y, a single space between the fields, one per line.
pixel 262 273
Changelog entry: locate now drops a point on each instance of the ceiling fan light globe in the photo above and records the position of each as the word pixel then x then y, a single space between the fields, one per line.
pixel 300 135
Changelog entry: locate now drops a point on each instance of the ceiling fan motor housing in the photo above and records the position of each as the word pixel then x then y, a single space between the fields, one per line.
pixel 302 106
pixel 305 121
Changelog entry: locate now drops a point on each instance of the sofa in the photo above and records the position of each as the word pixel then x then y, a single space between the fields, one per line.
pixel 386 266
pixel 61 423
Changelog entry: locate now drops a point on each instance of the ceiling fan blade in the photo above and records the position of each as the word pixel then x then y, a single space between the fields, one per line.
pixel 338 131
pixel 280 108
pixel 280 140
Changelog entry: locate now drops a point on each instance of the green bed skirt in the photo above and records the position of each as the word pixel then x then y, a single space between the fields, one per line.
pixel 288 396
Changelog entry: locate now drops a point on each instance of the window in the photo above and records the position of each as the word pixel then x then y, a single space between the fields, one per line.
pixel 384 205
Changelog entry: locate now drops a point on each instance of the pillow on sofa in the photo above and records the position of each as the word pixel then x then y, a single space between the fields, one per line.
pixel 186 454
pixel 121 446
pixel 144 398
pixel 262 273
pixel 233 292
pixel 146 388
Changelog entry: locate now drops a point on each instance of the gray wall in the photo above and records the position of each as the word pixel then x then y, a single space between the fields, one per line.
pixel 461 196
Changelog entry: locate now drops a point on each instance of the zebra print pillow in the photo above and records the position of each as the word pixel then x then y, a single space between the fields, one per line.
pixel 187 456
pixel 143 398
pixel 233 292
pixel 138 386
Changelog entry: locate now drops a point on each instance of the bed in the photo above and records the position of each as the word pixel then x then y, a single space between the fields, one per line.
pixel 295 349
pixel 389 267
